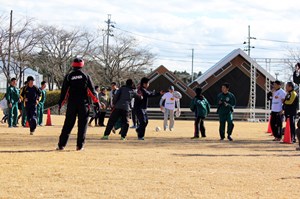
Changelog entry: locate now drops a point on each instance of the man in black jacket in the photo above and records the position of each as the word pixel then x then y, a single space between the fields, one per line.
pixel 121 108
pixel 77 88
pixel 141 106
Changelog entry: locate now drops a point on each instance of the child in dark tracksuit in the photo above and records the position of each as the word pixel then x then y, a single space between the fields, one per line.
pixel 201 107
pixel 298 132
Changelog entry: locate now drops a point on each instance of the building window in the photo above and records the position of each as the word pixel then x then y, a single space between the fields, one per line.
pixel 169 76
pixel 181 86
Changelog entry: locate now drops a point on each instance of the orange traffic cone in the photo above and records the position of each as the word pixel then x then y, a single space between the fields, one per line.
pixel 27 124
pixel 269 126
pixel 48 123
pixel 287 132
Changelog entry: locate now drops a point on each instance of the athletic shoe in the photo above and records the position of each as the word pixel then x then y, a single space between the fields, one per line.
pixel 105 137
pixel 229 138
pixel 15 126
pixel 298 149
pixel 204 136
pixel 102 125
pixel 114 130
pixel 79 148
pixel 122 138
pixel 221 139
pixel 133 127
pixel 141 138
pixel 171 129
pixel 32 131
pixel 194 138
pixel 59 148
pixel 90 125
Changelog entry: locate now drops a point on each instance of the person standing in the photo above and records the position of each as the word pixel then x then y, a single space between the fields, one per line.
pixel 24 119
pixel 30 96
pixel 290 107
pixel 121 102
pixel 12 97
pixel 77 88
pixel 95 111
pixel 103 105
pixel 278 98
pixel 141 106
pixel 40 107
pixel 201 107
pixel 168 108
pixel 114 89
pixel 226 103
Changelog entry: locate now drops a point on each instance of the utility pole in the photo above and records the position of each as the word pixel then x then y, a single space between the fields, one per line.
pixel 249 42
pixel 9 47
pixel 192 65
pixel 108 34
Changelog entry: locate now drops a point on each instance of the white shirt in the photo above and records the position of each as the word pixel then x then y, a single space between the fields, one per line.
pixel 169 100
pixel 278 97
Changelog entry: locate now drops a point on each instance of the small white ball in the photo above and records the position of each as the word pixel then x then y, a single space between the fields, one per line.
pixel 157 129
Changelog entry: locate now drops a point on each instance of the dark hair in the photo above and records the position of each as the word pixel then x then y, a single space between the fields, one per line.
pixel 103 88
pixel 13 79
pixel 96 87
pixel 144 80
pixel 43 83
pixel 114 83
pixel 298 65
pixel 30 78
pixel 129 82
pixel 226 84
pixel 277 82
pixel 198 91
pixel 291 84
pixel 25 82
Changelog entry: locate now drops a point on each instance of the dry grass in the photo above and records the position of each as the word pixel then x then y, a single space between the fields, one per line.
pixel 165 165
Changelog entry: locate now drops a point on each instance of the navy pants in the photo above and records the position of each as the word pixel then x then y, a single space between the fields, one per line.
pixel 142 117
pixel 31 116
pixel 114 117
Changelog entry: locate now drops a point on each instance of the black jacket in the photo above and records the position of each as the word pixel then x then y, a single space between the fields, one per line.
pixel 142 103
pixel 77 88
pixel 122 98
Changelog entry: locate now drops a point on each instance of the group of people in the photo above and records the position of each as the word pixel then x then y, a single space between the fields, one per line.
pixel 78 89
pixel 284 105
pixel 29 100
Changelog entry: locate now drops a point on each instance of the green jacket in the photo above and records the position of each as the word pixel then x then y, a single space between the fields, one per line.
pixel 43 96
pixel 12 94
pixel 201 107
pixel 228 103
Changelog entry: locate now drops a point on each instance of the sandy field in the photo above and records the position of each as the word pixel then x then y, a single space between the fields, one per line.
pixel 165 165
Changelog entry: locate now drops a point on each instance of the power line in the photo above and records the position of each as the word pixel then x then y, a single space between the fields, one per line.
pixel 176 42
pixel 278 41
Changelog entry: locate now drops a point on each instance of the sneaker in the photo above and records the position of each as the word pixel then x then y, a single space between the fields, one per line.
pixel 298 149
pixel 79 148
pixel 195 137
pixel 141 138
pixel 203 136
pixel 59 148
pixel 221 139
pixel 105 137
pixel 171 129
pixel 133 127
pixel 90 125
pixel 122 138
pixel 31 132
pixel 229 138
pixel 294 141
pixel 114 130
pixel 15 126
pixel 102 125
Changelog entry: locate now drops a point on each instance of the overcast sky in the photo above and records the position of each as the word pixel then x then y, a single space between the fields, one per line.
pixel 171 29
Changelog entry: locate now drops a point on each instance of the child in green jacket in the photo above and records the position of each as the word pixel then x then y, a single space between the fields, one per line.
pixel 201 107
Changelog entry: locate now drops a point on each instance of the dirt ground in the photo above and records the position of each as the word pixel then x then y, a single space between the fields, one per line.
pixel 165 165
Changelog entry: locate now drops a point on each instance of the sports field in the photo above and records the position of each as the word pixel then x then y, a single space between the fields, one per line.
pixel 165 165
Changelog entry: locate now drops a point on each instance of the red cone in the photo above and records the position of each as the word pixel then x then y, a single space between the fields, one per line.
pixel 27 124
pixel 287 133
pixel 269 126
pixel 48 123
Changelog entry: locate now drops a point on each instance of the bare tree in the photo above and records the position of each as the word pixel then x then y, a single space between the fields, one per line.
pixel 25 42
pixel 4 37
pixel 125 59
pixel 58 49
